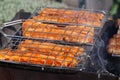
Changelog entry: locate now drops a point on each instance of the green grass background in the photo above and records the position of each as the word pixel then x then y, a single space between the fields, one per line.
pixel 8 8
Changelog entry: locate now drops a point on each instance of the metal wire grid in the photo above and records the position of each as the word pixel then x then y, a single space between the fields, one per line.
pixel 70 16
pixel 71 33
pixel 76 34
pixel 12 56
pixel 21 50
pixel 9 35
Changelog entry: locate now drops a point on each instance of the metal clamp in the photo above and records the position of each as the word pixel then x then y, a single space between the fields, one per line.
pixel 11 23
pixel 7 24
pixel 2 26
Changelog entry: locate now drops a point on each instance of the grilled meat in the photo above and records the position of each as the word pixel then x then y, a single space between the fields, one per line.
pixel 43 53
pixel 70 16
pixel 114 45
pixel 81 34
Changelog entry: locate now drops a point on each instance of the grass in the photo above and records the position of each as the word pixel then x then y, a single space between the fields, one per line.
pixel 8 8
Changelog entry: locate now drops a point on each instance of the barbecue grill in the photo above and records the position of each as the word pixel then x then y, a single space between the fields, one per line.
pixel 13 41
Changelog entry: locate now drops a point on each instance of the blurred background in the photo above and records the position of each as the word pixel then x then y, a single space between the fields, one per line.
pixel 8 8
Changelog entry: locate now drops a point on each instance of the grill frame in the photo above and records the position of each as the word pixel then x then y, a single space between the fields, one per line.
pixel 42 67
pixel 104 19
pixel 65 70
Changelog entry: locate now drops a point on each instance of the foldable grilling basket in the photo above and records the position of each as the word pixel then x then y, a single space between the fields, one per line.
pixel 53 39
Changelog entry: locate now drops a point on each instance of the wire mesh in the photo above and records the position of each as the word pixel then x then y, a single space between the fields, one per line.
pixel 61 39
pixel 35 52
pixel 95 18
pixel 77 34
